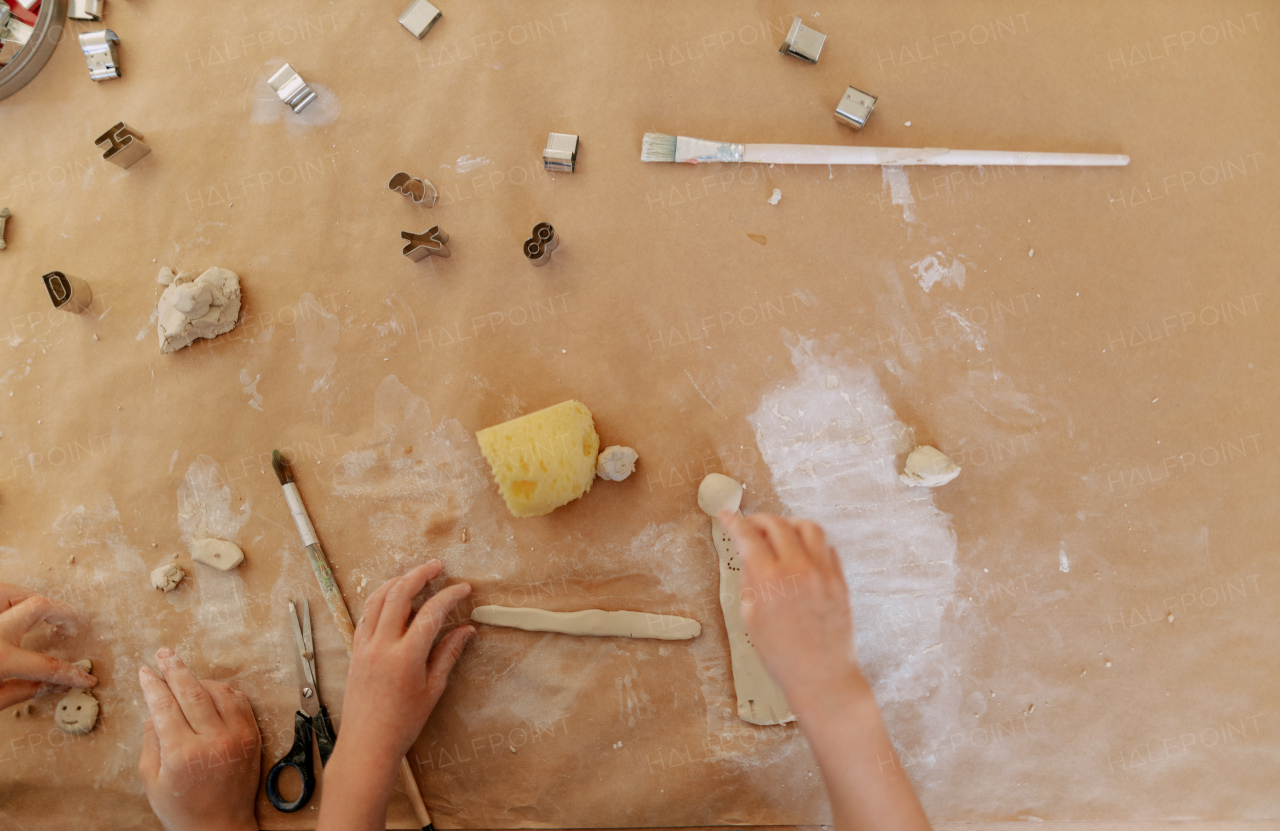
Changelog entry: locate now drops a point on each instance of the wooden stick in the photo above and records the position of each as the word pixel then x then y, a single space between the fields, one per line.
pixel 338 607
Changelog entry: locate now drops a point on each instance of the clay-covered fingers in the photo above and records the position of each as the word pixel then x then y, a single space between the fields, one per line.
pixel 37 666
pixel 443 658
pixel 18 619
pixel 399 603
pixel 427 622
pixel 166 715
pixel 192 697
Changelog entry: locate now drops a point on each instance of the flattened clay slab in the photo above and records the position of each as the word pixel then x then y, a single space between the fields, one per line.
pixel 760 700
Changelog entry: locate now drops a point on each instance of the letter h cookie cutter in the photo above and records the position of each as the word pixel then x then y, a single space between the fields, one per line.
pixel 123 146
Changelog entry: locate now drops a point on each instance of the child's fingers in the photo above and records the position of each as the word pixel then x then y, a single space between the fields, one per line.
pixel 783 538
pixel 16 691
pixel 815 545
pixel 748 536
pixel 149 763
pixel 11 594
pixel 18 619
pixel 224 701
pixel 37 666
pixel 197 705
pixel 427 622
pixel 399 602
pixel 373 608
pixel 170 723
pixel 443 658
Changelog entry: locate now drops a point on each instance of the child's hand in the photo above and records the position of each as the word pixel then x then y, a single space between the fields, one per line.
pixel 201 751
pixel 394 682
pixel 396 678
pixel 24 674
pixel 795 606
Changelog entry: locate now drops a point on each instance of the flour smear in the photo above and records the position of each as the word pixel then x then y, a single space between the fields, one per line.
pixel 833 454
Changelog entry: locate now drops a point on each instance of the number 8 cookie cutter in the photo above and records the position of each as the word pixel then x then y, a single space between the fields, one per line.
pixel 538 247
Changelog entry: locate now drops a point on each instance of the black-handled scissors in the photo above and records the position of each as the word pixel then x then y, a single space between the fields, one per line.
pixel 312 718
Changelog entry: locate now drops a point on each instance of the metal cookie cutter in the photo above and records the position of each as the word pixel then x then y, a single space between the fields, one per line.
pixel 855 108
pixel 85 10
pixel 416 189
pixel 429 242
pixel 538 247
pixel 13 31
pixel 802 42
pixel 291 89
pixel 123 146
pixel 419 18
pixel 70 294
pixel 5 213
pixel 100 54
pixel 561 154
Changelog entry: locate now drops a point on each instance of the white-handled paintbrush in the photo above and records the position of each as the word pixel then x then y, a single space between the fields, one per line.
pixel 337 607
pixel 660 147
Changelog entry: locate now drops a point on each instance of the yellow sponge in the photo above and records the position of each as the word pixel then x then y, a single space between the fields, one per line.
pixel 542 460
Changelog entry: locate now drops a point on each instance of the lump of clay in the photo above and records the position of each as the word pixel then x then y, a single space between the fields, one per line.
pixel 542 460
pixel 77 712
pixel 220 554
pixel 167 577
pixel 84 664
pixel 929 467
pixel 718 493
pixel 196 307
pixel 616 463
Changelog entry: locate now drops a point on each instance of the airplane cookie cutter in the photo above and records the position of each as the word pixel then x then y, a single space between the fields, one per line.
pixel 67 293
pixel 430 242
pixel 416 189
pixel 100 54
pixel 291 89
pixel 123 146
pixel 85 10
pixel 538 247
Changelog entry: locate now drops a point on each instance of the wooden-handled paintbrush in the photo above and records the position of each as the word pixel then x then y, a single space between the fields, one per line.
pixel 660 147
pixel 337 606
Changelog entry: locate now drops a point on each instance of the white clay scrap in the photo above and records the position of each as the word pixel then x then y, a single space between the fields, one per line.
pixel 84 664
pixel 616 463
pixel 593 622
pixel 718 492
pixel 929 467
pixel 760 699
pixel 220 554
pixel 77 712
pixel 167 577
pixel 197 307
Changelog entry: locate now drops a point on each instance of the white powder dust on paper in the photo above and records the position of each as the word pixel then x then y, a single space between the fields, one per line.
pixel 898 550
pixel 416 481
pixel 938 268
pixel 316 332
pixel 894 177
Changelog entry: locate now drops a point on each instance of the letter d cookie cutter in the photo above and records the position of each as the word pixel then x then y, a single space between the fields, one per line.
pixel 68 293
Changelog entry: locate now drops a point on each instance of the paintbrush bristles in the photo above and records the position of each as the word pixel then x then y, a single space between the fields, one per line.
pixel 658 147
pixel 281 467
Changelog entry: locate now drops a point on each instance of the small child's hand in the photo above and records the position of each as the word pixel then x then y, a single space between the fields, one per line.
pixel 396 678
pixel 795 606
pixel 24 674
pixel 201 751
